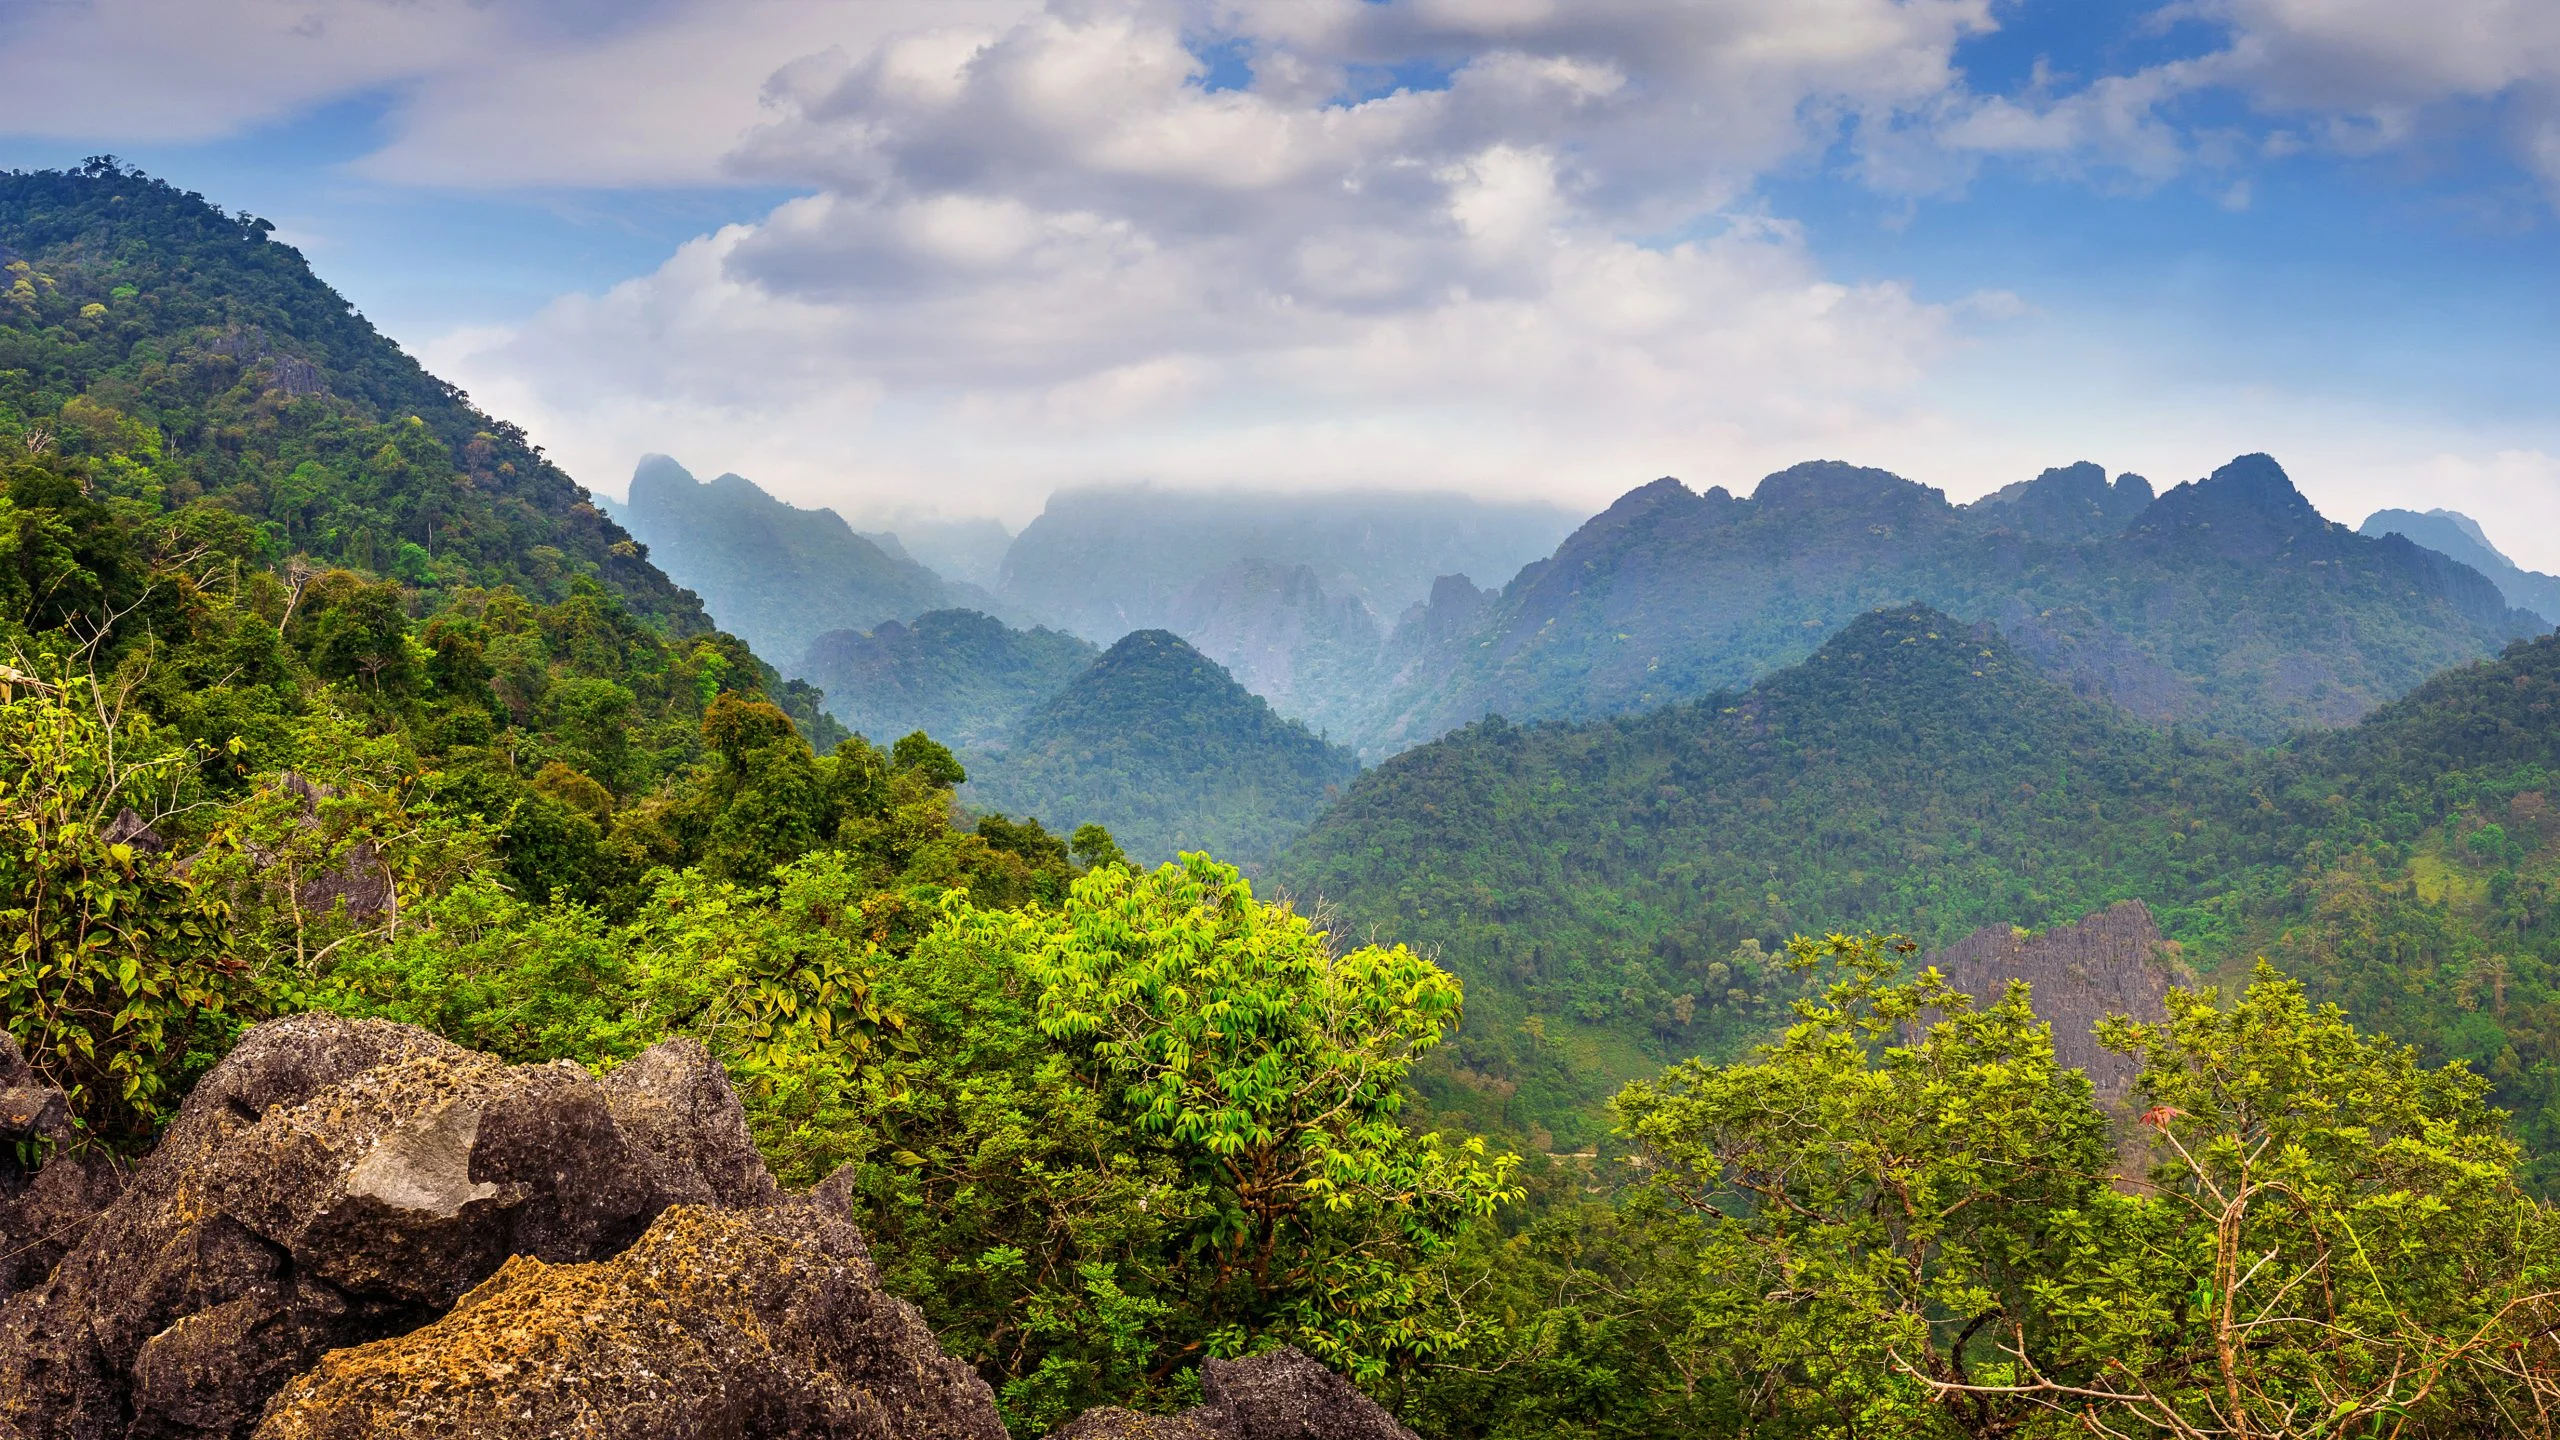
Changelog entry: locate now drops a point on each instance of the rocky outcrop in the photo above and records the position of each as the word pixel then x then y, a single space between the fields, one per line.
pixel 2113 962
pixel 51 1186
pixel 1284 1395
pixel 331 1183
pixel 770 1323
pixel 355 1229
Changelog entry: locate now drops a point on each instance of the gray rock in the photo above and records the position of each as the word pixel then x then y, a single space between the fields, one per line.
pixel 331 1183
pixel 1283 1395
pixel 45 1207
pixel 766 1324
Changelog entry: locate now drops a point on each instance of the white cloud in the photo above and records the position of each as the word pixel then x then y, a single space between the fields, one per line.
pixel 1044 252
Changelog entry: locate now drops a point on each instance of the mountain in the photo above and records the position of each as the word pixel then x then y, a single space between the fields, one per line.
pixel 1103 562
pixel 1159 744
pixel 2069 502
pixel 199 365
pixel 776 574
pixel 1312 655
pixel 2458 537
pixel 965 678
pixel 1614 891
pixel 2226 603
pixel 970 551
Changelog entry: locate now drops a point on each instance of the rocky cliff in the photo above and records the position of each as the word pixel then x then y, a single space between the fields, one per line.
pixel 2113 962
pixel 355 1229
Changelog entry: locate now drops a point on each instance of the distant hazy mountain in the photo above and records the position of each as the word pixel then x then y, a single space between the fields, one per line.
pixel 1312 655
pixel 1103 562
pixel 2069 502
pixel 1160 744
pixel 775 574
pixel 960 676
pixel 969 551
pixel 2457 536
pixel 2227 602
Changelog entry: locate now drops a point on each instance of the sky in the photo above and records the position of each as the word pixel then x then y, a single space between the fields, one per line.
pixel 941 257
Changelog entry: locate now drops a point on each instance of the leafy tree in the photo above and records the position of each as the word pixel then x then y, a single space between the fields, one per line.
pixel 1274 1064
pixel 1913 1225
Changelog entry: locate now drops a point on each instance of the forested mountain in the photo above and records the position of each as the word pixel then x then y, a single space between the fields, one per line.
pixel 2458 537
pixel 775 574
pixel 1627 879
pixel 198 366
pixel 376 821
pixel 967 678
pixel 2227 603
pixel 1158 743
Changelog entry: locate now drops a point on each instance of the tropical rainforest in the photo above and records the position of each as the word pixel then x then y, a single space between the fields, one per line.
pixel 326 691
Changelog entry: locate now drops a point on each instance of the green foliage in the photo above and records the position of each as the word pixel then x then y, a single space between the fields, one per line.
pixel 1629 877
pixel 1234 1031
pixel 1903 1218
pixel 119 981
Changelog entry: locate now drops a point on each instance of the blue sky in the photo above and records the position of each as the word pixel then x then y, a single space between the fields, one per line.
pixel 943 257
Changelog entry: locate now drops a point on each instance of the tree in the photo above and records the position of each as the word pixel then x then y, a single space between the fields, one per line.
pixel 1914 1225
pixel 1273 1063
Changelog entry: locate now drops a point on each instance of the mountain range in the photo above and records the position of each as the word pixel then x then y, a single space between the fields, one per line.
pixel 2227 603
pixel 2458 537
pixel 778 575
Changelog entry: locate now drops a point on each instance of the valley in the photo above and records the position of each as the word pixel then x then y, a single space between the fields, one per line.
pixel 1404 958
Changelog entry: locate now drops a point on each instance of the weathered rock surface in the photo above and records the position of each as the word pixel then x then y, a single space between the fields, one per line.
pixel 1284 1395
pixel 335 1182
pixel 768 1324
pixel 2113 962
pixel 45 1209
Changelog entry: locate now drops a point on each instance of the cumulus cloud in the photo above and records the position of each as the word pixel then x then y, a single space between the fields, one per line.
pixel 2353 77
pixel 1047 249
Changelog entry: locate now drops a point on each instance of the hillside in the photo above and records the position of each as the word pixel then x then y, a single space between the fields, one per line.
pixel 778 575
pixel 198 362
pixel 1158 743
pixel 2227 603
pixel 280 543
pixel 966 678
pixel 2458 537
pixel 1626 879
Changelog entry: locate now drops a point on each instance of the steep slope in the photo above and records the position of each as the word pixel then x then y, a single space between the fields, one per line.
pixel 1162 746
pixel 2458 537
pixel 2227 603
pixel 776 574
pixel 264 526
pixel 965 678
pixel 1103 562
pixel 1915 771
pixel 1621 884
pixel 200 362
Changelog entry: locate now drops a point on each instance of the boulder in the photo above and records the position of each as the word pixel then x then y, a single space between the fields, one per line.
pixel 46 1207
pixel 331 1183
pixel 769 1323
pixel 1283 1395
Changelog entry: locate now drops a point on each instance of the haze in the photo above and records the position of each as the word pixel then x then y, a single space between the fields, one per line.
pixel 942 259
